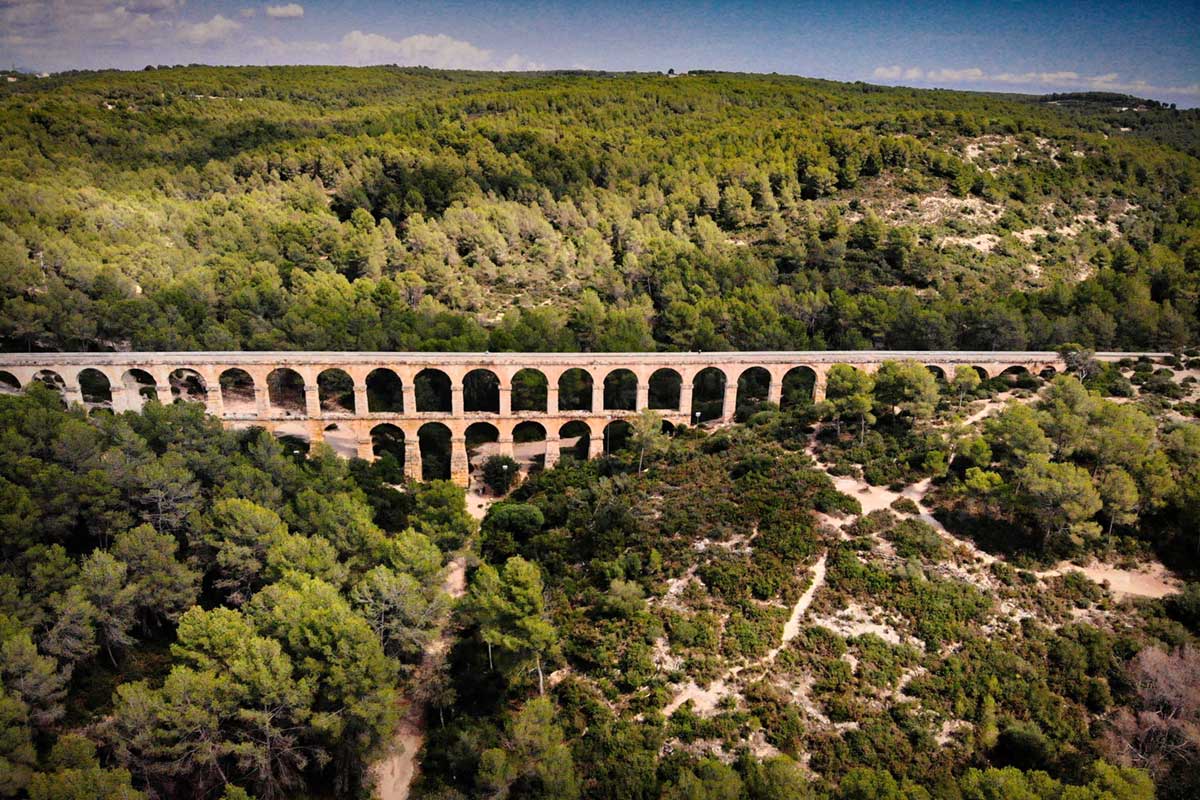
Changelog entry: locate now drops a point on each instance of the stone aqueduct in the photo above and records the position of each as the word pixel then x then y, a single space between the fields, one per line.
pixel 365 403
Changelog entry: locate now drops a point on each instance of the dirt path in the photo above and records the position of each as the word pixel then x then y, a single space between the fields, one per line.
pixel 705 698
pixel 791 628
pixel 395 773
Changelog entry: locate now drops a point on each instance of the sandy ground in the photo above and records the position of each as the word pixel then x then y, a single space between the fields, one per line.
pixel 394 774
pixel 1151 580
pixel 705 699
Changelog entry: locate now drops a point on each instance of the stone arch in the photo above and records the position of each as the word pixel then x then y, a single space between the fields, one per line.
pixel 482 440
pixel 983 373
pixel 285 391
pixel 52 380
pixel 1047 372
pixel 434 391
pixel 664 388
pixel 481 391
pixel 668 428
pixel 95 388
pixel 575 440
pixel 529 444
pixel 139 384
pixel 387 440
pixel 187 386
pixel 335 390
pixel 385 392
pixel 575 390
pixel 1018 375
pixel 435 443
pixel 939 374
pixel 530 390
pixel 616 436
pixel 708 395
pixel 237 390
pixel 9 383
pixel 798 384
pixel 753 389
pixel 620 390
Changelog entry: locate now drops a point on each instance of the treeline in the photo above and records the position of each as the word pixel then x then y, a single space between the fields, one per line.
pixel 191 612
pixel 411 209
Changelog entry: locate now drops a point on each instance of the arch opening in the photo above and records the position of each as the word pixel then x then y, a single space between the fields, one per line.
pixel 387 445
pixel 530 391
pixel 708 395
pixel 187 386
pixel 335 391
pixel 665 387
pixel 52 380
pixel 140 384
pixel 433 438
pixel 385 392
pixel 575 390
pixel 433 391
pixel 294 445
pixel 798 385
pixel 574 440
pixel 939 374
pixel 481 391
pixel 9 383
pixel 237 391
pixel 95 388
pixel 529 445
pixel 753 389
pixel 617 435
pixel 482 441
pixel 620 390
pixel 285 391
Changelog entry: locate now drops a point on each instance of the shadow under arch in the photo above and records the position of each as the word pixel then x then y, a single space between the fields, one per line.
pixel 434 442
pixel 335 391
pixel 708 395
pixel 665 387
pixel 575 440
pixel 433 391
pixel 530 390
pixel 798 385
pixel 620 390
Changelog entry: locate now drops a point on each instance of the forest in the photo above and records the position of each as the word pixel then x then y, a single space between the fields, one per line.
pixel 409 209
pixel 925 586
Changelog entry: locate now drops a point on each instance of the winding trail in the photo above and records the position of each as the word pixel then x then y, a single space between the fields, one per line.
pixel 706 698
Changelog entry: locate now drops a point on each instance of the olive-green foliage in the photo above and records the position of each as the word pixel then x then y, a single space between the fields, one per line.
pixel 224 608
pixel 405 209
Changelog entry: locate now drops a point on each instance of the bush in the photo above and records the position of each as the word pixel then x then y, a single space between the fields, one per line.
pixel 499 473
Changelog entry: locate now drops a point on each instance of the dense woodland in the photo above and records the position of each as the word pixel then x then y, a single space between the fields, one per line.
pixel 385 208
pixel 190 612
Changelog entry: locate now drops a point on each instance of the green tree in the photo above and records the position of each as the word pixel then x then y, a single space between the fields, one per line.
pixel 499 473
pixel 848 391
pixel 906 386
pixel 966 381
pixel 534 751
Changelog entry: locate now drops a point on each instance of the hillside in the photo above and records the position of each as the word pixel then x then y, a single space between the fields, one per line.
pixel 388 208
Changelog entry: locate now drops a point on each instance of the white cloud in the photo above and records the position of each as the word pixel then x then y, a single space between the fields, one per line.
pixel 215 30
pixel 1059 79
pixel 440 51
pixel 247 13
pixel 286 11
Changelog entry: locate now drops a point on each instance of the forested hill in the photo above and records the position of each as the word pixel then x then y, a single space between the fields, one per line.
pixel 386 208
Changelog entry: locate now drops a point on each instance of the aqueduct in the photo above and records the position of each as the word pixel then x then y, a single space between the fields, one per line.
pixel 535 405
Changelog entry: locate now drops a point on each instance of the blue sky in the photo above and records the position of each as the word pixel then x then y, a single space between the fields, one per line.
pixel 1147 48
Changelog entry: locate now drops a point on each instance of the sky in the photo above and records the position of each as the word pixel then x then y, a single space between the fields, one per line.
pixel 1149 48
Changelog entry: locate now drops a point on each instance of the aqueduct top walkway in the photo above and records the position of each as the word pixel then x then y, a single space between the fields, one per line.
pixel 366 402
